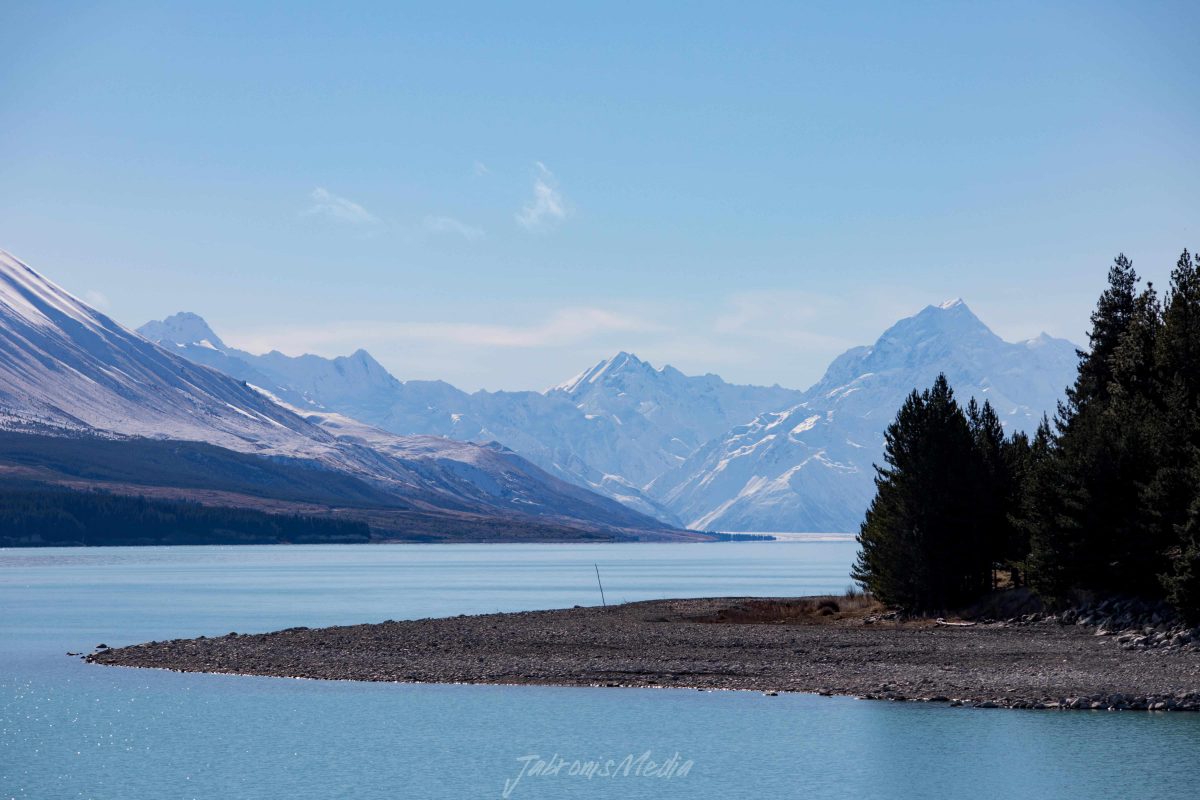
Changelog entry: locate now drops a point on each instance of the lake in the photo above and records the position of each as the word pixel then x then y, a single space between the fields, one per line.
pixel 72 730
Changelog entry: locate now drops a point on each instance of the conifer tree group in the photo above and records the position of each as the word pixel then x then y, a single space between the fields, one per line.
pixel 947 471
pixel 1104 501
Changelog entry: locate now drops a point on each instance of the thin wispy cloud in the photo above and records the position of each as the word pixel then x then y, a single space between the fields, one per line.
pixel 547 206
pixel 564 327
pixel 762 337
pixel 802 319
pixel 449 226
pixel 329 205
pixel 481 169
pixel 96 299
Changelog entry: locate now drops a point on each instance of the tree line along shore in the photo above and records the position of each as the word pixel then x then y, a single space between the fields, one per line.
pixel 1102 501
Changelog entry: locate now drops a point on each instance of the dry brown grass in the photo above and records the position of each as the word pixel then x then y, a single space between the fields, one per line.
pixel 820 609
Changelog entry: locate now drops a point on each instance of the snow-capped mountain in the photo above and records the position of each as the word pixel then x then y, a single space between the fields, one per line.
pixel 68 366
pixel 809 467
pixel 66 369
pixel 690 449
pixel 351 384
pixel 612 429
pixel 185 327
pixel 672 414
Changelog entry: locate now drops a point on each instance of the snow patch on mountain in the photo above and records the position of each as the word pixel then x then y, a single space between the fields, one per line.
pixel 819 476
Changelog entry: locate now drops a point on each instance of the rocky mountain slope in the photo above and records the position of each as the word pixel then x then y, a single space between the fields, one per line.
pixel 68 370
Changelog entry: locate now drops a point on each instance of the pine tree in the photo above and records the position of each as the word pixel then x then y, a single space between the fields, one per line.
pixel 922 548
pixel 1178 346
pixel 1173 496
pixel 1109 322
pixel 1132 545
pixel 1182 584
pixel 1020 459
pixel 1105 502
pixel 1087 536
pixel 1046 522
pixel 994 496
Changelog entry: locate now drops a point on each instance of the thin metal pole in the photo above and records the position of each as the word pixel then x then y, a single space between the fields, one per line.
pixel 601 585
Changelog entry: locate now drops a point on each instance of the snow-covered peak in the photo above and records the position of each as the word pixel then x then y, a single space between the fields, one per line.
pixel 305 381
pixel 955 309
pixel 940 338
pixel 1044 339
pixel 26 294
pixel 182 328
pixel 361 356
pixel 604 370
pixel 951 322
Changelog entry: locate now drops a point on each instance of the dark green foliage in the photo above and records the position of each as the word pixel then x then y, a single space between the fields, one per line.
pixel 1174 492
pixel 1109 322
pixel 1094 503
pixel 1182 582
pixel 1114 510
pixel 1022 458
pixel 996 496
pixel 922 545
pixel 1108 460
pixel 41 516
pixel 1105 503
pixel 1048 531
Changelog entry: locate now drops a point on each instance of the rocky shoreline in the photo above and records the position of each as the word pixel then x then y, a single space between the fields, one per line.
pixel 776 645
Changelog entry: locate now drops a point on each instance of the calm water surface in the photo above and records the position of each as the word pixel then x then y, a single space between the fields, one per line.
pixel 70 730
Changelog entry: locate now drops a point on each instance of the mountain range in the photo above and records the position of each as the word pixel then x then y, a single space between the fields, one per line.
pixel 695 451
pixel 809 465
pixel 87 403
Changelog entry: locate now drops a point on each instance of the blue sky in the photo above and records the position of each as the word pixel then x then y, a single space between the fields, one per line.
pixel 501 196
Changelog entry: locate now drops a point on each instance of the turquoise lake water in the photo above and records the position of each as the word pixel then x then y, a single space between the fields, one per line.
pixel 72 730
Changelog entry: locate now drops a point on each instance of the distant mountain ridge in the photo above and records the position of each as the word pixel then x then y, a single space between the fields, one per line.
pixel 687 449
pixel 612 430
